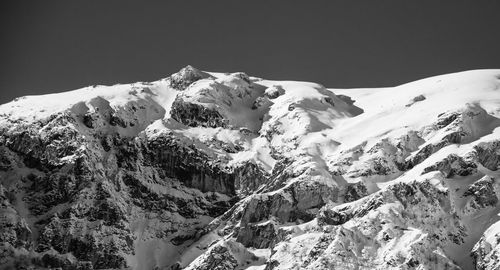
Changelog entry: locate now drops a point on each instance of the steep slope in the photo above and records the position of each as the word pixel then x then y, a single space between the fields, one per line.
pixel 206 170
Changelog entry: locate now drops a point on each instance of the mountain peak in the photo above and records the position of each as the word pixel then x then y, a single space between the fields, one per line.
pixel 181 172
pixel 186 76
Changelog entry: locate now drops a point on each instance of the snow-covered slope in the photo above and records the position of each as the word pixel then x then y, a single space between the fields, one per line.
pixel 206 170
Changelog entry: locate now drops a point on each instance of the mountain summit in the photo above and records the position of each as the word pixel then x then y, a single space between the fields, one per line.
pixel 205 170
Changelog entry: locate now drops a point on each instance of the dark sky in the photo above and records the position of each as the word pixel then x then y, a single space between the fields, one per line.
pixel 51 46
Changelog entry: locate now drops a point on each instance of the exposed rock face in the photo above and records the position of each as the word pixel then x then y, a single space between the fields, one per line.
pixel 355 192
pixel 187 164
pixel 487 249
pixel 226 171
pixel 16 231
pixel 218 258
pixel 416 99
pixel 453 165
pixel 83 208
pixel 249 178
pixel 483 193
pixel 196 115
pixel 186 76
pixel 274 91
pixel 379 221
pixel 81 184
pixel 225 255
pixel 257 235
pixel 488 155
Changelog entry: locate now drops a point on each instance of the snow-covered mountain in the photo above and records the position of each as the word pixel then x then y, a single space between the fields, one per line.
pixel 206 170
